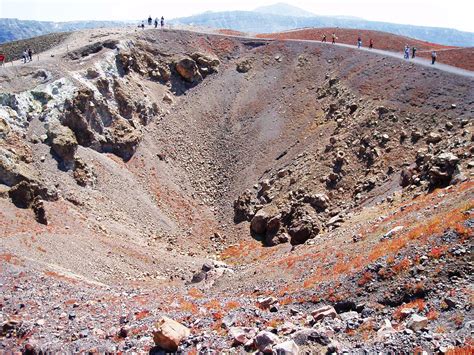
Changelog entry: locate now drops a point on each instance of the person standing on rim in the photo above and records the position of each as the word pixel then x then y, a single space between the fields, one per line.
pixel 433 57
pixel 334 38
pixel 156 22
pixel 162 22
pixel 413 52
pixel 150 20
pixel 371 44
pixel 407 52
pixel 359 42
pixel 324 39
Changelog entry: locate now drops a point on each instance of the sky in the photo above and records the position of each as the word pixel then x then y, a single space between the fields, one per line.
pixel 457 14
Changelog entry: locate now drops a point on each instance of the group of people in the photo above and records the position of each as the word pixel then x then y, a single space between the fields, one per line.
pixel 406 54
pixel 359 41
pixel 156 22
pixel 27 55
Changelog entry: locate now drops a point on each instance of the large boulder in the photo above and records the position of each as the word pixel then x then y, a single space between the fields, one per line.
pixel 207 63
pixel 319 201
pixel 122 139
pixel 63 142
pixel 188 70
pixel 4 128
pixel 169 334
pixel 442 169
pixel 244 207
pixel 13 169
pixel 259 223
pixel 244 66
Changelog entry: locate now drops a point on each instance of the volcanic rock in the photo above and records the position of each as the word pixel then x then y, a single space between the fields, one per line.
pixel 169 334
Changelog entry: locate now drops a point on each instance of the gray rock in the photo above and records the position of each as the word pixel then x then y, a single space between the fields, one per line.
pixel 264 341
pixel 286 348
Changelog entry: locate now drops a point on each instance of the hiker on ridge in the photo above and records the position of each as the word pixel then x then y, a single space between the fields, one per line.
pixel 156 22
pixel 149 20
pixel 324 39
pixel 30 54
pixel 433 57
pixel 25 56
pixel 359 42
pixel 413 52
pixel 334 38
pixel 407 52
pixel 371 44
pixel 162 22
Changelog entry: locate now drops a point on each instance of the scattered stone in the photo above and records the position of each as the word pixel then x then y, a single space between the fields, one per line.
pixel 287 348
pixel 266 302
pixel 242 335
pixel 416 322
pixel 433 138
pixel 324 312
pixel 386 329
pixel 169 334
pixel 264 341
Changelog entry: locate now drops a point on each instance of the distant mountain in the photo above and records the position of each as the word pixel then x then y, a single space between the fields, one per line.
pixel 258 22
pixel 283 9
pixel 14 29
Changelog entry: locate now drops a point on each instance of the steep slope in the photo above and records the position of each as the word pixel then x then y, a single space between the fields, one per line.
pixel 236 185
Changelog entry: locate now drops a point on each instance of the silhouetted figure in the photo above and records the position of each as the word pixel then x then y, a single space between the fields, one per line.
pixel 324 39
pixel 333 38
pixel 150 20
pixel 371 44
pixel 156 22
pixel 359 42
pixel 433 57
pixel 30 54
pixel 413 52
pixel 162 22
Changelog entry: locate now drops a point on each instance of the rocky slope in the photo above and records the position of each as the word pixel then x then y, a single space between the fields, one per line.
pixel 263 195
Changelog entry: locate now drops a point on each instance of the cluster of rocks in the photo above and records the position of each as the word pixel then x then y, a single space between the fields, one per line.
pixel 196 67
pixel 295 221
pixel 438 170
pixel 191 68
pixel 210 273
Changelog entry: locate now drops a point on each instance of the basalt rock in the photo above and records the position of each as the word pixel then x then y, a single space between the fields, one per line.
pixel 188 70
pixel 63 142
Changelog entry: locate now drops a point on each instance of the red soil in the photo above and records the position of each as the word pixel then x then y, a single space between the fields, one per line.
pixel 228 32
pixel 382 40
pixel 458 57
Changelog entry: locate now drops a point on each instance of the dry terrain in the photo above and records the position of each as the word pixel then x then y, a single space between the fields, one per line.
pixel 458 57
pixel 267 195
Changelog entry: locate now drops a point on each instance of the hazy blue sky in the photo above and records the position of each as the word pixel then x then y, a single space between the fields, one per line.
pixel 443 13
